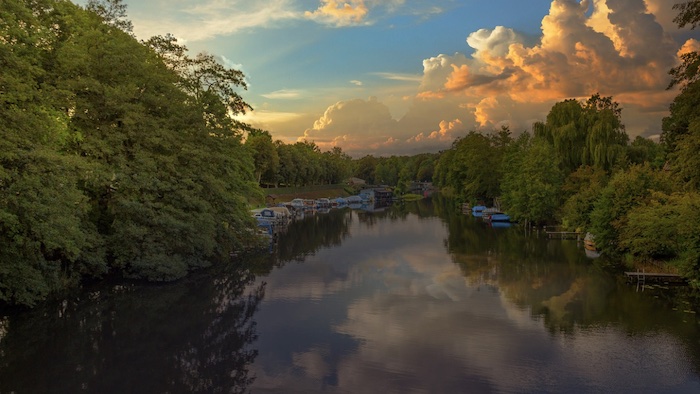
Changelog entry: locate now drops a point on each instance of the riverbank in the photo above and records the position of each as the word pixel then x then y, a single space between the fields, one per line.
pixel 282 194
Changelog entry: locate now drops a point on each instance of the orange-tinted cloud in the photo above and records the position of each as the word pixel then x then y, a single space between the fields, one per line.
pixel 339 13
pixel 618 49
pixel 613 47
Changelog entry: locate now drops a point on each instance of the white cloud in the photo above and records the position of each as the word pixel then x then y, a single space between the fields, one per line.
pixel 214 18
pixel 399 76
pixel 284 94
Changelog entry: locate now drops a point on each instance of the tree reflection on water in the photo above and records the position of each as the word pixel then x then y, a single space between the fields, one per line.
pixel 191 336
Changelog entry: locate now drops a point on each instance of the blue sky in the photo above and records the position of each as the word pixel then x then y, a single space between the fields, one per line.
pixel 407 76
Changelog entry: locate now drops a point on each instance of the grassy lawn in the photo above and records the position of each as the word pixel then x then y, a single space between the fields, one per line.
pixel 311 192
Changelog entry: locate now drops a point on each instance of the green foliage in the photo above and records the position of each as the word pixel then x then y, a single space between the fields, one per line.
pixel 685 108
pixel 580 191
pixel 365 168
pixel 532 180
pixel 111 158
pixel 472 168
pixel 585 133
pixel 643 150
pixel 625 191
pixel 663 228
pixel 685 160
pixel 337 166
pixel 265 156
pixel 688 13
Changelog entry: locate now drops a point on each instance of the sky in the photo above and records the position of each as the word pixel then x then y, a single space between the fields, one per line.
pixel 402 77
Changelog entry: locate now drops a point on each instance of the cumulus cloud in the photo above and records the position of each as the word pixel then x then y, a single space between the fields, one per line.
pixel 604 49
pixel 447 131
pixel 616 48
pixel 363 127
pixel 339 13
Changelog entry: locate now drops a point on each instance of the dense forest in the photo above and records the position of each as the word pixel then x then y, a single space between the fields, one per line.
pixel 125 156
pixel 116 155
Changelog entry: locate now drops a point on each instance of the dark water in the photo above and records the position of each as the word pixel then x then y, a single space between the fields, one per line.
pixel 410 299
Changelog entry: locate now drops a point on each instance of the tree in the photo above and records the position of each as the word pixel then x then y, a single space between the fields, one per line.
pixel 106 161
pixel 210 85
pixel 585 133
pixel 532 180
pixel 46 239
pixel 365 168
pixel 337 165
pixel 688 14
pixel 685 107
pixel 654 230
pixel 643 150
pixel 685 161
pixel 625 191
pixel 113 12
pixel 580 191
pixel 264 153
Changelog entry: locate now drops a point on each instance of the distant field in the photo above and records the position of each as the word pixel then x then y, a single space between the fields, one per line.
pixel 311 192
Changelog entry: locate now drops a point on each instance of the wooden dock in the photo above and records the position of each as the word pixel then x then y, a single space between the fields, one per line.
pixel 564 234
pixel 642 278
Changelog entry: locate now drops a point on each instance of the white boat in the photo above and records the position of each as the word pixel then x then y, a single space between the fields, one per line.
pixel 298 203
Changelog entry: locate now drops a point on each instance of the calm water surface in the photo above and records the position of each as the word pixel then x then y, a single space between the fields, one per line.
pixel 410 299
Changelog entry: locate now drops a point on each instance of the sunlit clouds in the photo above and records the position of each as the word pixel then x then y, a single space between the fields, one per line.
pixel 339 13
pixel 615 48
pixel 389 77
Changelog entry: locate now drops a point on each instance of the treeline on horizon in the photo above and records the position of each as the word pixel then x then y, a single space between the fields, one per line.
pixel 124 156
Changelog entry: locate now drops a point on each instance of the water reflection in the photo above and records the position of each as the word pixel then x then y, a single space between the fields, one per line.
pixel 413 303
pixel 193 336
pixel 412 298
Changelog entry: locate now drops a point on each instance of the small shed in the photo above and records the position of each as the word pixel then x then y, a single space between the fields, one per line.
pixel 356 182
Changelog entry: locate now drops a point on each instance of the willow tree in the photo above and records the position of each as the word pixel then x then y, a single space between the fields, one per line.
pixel 585 132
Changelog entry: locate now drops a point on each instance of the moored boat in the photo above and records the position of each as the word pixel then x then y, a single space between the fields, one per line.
pixel 499 217
pixel 589 242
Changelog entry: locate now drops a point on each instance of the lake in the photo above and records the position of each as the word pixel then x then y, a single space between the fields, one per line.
pixel 414 298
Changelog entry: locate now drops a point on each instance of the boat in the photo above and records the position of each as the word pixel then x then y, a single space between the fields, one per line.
pixel 354 200
pixel 487 212
pixel 499 217
pixel 589 242
pixel 298 203
pixel 339 202
pixel 323 203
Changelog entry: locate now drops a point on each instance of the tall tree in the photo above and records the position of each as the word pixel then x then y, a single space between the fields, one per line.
pixel 585 133
pixel 532 180
pixel 264 153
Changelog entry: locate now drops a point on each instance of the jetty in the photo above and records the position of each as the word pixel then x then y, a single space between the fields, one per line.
pixel 642 278
pixel 563 234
